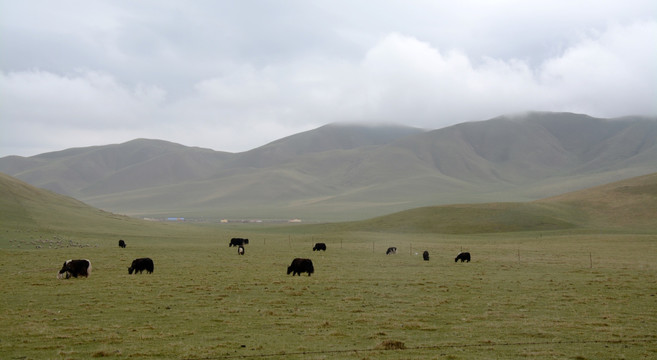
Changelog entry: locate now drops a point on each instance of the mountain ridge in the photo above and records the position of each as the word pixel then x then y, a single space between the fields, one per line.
pixel 346 171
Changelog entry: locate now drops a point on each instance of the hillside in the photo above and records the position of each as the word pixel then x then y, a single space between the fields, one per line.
pixel 32 213
pixel 327 138
pixel 110 169
pixel 347 172
pixel 629 204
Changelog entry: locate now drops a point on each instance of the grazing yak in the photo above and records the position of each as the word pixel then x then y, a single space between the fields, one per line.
pixel 240 250
pixel 299 266
pixel 75 268
pixel 141 264
pixel 238 242
pixel 391 250
pixel 463 256
pixel 121 244
pixel 425 255
pixel 319 246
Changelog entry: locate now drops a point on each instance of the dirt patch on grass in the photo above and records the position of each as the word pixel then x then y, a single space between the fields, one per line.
pixel 391 345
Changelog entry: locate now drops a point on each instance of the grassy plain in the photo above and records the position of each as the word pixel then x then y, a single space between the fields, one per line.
pixel 538 295
pixel 573 277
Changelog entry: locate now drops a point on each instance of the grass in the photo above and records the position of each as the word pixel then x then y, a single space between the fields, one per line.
pixel 546 281
pixel 530 295
pixel 469 219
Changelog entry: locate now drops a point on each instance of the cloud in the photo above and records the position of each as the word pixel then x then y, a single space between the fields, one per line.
pixel 238 102
pixel 608 74
pixel 86 99
pixel 76 110
pixel 241 111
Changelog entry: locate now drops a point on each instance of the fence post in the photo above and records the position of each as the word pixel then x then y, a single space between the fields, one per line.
pixel 591 260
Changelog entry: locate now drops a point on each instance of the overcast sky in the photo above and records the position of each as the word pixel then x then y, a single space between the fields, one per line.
pixel 234 75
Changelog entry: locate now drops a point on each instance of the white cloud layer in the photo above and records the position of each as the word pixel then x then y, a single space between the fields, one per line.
pixel 108 73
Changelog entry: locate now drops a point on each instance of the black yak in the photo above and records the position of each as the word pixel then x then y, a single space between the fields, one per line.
pixel 299 266
pixel 425 256
pixel 141 264
pixel 463 256
pixel 319 246
pixel 238 242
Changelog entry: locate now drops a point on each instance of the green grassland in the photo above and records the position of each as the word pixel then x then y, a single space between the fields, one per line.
pixel 562 295
pixel 565 291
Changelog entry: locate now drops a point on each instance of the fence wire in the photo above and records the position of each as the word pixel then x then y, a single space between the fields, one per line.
pixel 426 347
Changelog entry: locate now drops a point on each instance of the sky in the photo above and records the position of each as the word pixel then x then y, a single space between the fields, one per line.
pixel 235 75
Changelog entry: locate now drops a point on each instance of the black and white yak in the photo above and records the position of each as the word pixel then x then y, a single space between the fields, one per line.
pixel 75 268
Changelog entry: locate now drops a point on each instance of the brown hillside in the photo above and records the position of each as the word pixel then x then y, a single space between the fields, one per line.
pixel 627 203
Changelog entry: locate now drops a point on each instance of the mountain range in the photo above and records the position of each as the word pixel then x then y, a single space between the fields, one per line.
pixel 347 172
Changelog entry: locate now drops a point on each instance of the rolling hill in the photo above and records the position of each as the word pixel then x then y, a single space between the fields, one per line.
pixel 345 172
pixel 628 205
pixel 28 208
pixel 30 213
